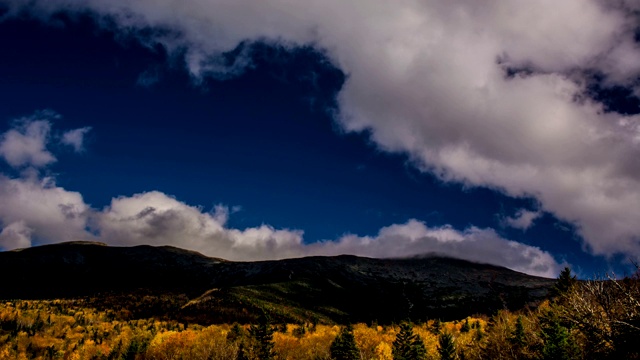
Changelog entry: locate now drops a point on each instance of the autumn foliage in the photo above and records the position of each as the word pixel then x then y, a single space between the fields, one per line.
pixel 65 329
pixel 585 320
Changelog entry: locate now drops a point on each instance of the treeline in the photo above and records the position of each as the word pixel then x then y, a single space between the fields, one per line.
pixel 597 319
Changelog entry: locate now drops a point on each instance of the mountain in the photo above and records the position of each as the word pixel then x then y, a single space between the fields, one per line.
pixel 168 282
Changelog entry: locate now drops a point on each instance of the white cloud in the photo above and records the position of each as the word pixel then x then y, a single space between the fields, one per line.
pixel 40 212
pixel 75 138
pixel 25 144
pixel 51 213
pixel 522 219
pixel 36 211
pixel 15 236
pixel 157 219
pixel 428 78
pixel 474 244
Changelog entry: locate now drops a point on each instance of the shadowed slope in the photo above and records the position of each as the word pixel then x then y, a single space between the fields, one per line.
pixel 204 289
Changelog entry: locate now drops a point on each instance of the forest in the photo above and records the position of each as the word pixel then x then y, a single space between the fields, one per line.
pixel 593 319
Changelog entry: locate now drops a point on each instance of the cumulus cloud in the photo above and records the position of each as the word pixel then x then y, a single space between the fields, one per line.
pixel 75 138
pixel 35 210
pixel 33 207
pixel 522 219
pixel 15 236
pixel 155 218
pixel 158 219
pixel 474 244
pixel 51 213
pixel 483 93
pixel 40 212
pixel 25 144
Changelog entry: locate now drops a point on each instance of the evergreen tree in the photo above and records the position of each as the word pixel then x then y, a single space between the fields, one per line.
pixel 344 345
pixel 563 284
pixel 446 346
pixel 262 333
pixel 136 346
pixel 518 336
pixel 558 344
pixel 408 346
pixel 236 333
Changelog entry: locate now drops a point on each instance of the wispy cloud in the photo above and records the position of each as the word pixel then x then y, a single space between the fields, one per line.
pixel 522 219
pixel 75 138
pixel 149 77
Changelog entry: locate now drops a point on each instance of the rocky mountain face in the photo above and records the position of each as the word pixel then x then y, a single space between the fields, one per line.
pixel 169 282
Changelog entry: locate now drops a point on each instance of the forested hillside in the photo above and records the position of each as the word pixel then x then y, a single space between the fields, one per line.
pixel 183 285
pixel 585 320
pixel 167 303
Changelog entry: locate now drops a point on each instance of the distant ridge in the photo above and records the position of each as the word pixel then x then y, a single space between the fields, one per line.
pixel 67 243
pixel 188 285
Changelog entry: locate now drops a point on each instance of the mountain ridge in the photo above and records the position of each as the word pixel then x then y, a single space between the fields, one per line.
pixel 325 288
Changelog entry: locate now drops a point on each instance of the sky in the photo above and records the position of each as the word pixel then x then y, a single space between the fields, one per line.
pixel 495 131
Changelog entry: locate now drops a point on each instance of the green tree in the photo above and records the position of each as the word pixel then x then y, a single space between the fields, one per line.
pixel 558 344
pixel 344 345
pixel 262 333
pixel 563 284
pixel 446 346
pixel 518 336
pixel 235 333
pixel 136 346
pixel 408 346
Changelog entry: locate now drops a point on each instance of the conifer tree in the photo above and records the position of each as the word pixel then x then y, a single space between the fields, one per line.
pixel 558 344
pixel 518 336
pixel 446 346
pixel 344 345
pixel 408 346
pixel 263 334
pixel 564 282
pixel 236 333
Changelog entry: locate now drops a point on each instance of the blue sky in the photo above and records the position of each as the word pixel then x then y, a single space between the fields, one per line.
pixel 248 140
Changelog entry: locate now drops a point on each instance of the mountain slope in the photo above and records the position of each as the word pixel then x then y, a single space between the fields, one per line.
pixel 190 286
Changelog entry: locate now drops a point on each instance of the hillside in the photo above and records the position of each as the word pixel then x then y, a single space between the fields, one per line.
pixel 174 283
